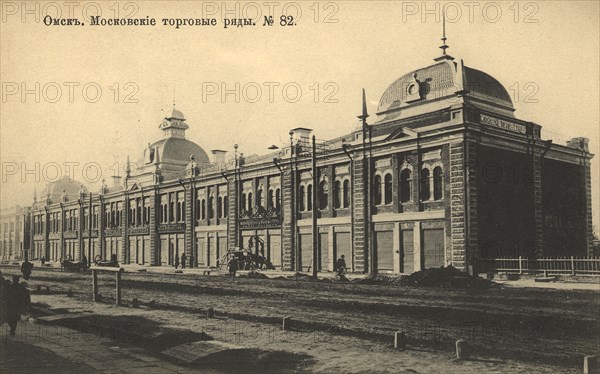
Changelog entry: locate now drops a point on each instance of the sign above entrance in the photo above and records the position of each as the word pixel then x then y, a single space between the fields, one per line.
pixel 500 123
pixel 168 227
pixel 258 223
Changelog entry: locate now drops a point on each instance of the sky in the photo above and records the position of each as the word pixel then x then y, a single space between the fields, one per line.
pixel 104 90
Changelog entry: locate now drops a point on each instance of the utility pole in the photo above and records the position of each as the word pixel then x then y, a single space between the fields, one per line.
pixel 90 218
pixel 315 211
pixel 366 131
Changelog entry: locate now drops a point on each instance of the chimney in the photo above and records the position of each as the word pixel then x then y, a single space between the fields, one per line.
pixel 116 181
pixel 302 134
pixel 219 157
pixel 579 143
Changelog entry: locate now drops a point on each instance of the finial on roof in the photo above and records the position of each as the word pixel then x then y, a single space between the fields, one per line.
pixel 443 47
pixel 364 114
pixel 128 169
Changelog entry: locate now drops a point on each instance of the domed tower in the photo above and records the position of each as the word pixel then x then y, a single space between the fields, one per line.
pixel 166 159
pixel 64 189
pixel 442 85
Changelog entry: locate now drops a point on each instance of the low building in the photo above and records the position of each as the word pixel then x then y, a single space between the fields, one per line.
pixel 14 232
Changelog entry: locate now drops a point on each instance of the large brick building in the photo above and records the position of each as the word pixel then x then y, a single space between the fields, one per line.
pixel 443 174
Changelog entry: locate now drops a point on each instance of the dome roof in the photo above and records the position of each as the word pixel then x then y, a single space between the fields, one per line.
pixel 443 79
pixel 177 150
pixel 65 185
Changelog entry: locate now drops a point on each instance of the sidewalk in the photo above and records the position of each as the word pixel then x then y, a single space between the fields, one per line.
pixel 50 348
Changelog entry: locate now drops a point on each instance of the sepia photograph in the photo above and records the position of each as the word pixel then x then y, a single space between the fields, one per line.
pixel 302 186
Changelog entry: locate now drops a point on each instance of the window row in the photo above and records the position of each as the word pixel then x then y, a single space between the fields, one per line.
pixel 430 186
pixel 273 200
pixel 204 210
pixel 171 212
pixel 341 195
pixel 139 212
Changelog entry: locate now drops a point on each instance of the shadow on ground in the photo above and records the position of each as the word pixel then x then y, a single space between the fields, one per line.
pixel 141 332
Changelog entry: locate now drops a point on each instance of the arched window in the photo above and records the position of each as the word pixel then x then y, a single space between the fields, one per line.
pixel 309 197
pixel 387 190
pixel 437 183
pixel 211 207
pixel 171 211
pixel 323 195
pixel 301 197
pixel 259 198
pixel 220 206
pixel 278 200
pixel 425 184
pixel 225 206
pixel 179 211
pixel 244 202
pixel 337 196
pixel 203 208
pixel 377 190
pixel 250 202
pixel 197 209
pixel 182 211
pixel 346 193
pixel 405 185
pixel 270 199
pixel 165 214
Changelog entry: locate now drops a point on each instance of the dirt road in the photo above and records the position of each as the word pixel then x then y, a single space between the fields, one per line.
pixel 554 327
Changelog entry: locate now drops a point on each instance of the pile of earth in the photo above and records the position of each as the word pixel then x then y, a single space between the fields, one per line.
pixel 445 277
pixel 301 276
pixel 255 275
pixel 379 279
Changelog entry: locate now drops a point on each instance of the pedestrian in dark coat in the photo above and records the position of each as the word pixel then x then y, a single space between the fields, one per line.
pixel 26 267
pixel 18 301
pixel 191 261
pixel 183 258
pixel 340 266
pixel 176 264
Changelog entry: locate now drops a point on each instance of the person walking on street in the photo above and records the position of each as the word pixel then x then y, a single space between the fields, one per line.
pixel 340 266
pixel 17 302
pixel 191 261
pixel 84 262
pixel 183 258
pixel 176 262
pixel 233 266
pixel 26 267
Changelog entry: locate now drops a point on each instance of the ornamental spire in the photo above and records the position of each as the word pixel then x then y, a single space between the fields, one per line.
pixel 364 114
pixel 443 47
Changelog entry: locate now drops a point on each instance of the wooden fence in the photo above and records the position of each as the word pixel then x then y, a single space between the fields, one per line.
pixel 548 265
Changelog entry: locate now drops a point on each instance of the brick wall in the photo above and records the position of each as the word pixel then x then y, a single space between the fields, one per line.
pixel 189 241
pixel 232 214
pixel 538 205
pixel 360 223
pixel 154 239
pixel 457 206
pixel 288 210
